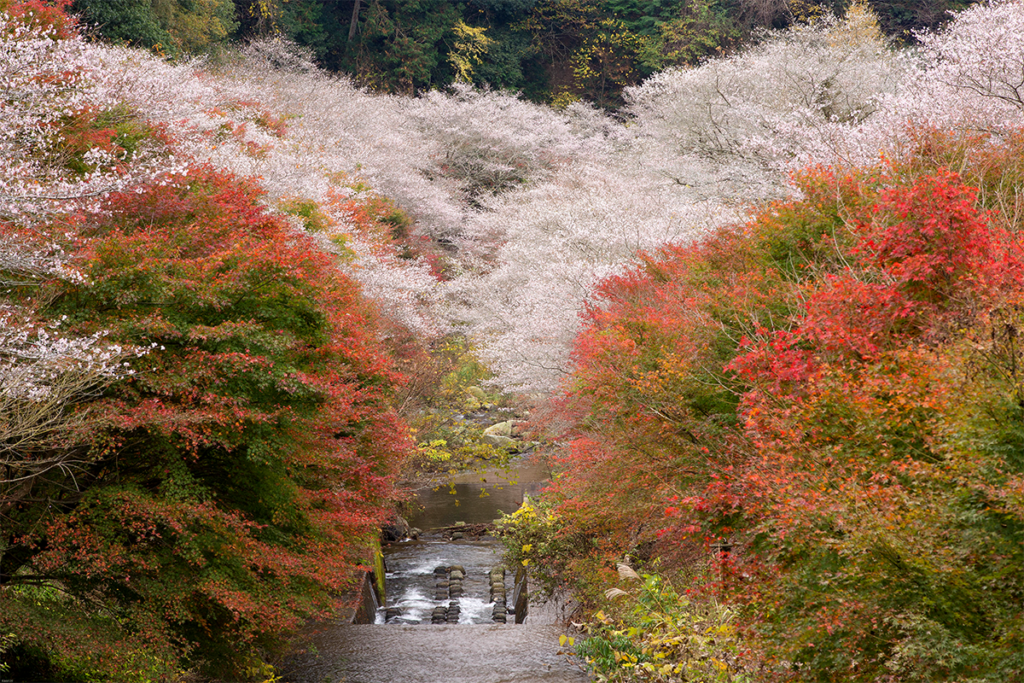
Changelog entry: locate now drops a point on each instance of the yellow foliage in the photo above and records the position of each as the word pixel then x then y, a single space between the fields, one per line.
pixel 858 27
pixel 471 43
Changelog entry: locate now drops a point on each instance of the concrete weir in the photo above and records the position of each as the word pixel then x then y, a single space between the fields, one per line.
pixel 448 616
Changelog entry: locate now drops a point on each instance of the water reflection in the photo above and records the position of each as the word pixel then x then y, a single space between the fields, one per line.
pixel 479 497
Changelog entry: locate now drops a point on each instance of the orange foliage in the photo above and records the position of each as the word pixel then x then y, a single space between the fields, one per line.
pixel 830 393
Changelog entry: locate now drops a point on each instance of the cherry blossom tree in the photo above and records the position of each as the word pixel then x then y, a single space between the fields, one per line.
pixel 752 115
pixel 46 381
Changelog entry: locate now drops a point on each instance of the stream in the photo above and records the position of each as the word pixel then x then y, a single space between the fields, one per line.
pixel 467 647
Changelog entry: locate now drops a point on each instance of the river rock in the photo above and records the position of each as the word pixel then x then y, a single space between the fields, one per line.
pixel 457 536
pixel 501 441
pixel 499 429
pixel 395 531
pixel 457 568
pixel 456 575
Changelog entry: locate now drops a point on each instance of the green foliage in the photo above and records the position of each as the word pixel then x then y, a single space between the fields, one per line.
pixel 546 49
pixel 116 132
pixel 227 490
pixel 654 632
pixel 306 23
pixel 464 370
pixel 447 440
pixel 196 26
pixel 900 18
pixel 314 219
pixel 129 21
pixel 169 26
pixel 506 9
pixel 404 46
pixel 559 556
pixel 700 29
pixel 506 64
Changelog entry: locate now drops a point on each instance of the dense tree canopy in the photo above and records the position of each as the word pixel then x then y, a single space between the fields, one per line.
pixel 199 441
pixel 822 407
pixel 776 293
pixel 227 487
pixel 558 50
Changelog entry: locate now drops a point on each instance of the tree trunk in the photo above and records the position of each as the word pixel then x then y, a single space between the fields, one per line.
pixel 354 25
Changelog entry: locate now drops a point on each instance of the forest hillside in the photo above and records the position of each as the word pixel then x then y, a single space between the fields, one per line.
pixel 770 305
pixel 555 51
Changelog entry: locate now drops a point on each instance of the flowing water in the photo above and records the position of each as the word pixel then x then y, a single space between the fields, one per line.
pixel 409 648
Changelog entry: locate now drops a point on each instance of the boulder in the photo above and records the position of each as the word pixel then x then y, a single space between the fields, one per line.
pixel 395 531
pixel 501 441
pixel 477 393
pixel 499 429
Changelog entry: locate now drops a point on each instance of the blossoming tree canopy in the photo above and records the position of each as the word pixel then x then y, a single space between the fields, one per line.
pixel 221 487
